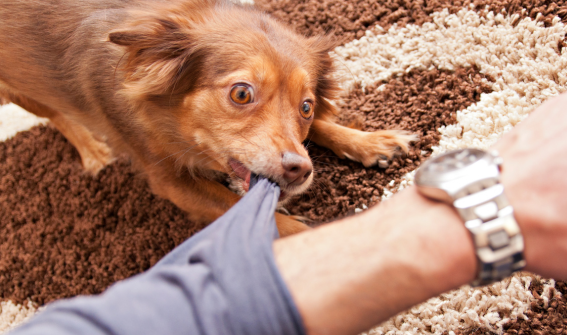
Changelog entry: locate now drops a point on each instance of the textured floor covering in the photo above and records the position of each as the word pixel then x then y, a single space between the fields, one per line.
pixel 458 75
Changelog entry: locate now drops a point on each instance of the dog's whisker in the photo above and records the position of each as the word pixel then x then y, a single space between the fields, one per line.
pixel 247 140
pixel 324 156
pixel 318 158
pixel 316 186
pixel 181 142
pixel 173 154
pixel 178 158
pixel 210 159
pixel 326 166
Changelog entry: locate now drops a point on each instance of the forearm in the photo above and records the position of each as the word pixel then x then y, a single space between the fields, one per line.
pixel 350 275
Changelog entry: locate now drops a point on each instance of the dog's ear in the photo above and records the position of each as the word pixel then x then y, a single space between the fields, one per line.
pixel 327 85
pixel 161 60
pixel 125 38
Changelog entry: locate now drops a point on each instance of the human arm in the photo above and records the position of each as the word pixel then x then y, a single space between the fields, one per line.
pixel 409 249
pixel 348 276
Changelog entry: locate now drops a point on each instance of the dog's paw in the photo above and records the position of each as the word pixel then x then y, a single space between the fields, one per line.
pixel 379 147
pixel 95 156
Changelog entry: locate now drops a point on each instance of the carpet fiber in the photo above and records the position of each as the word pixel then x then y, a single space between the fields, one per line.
pixel 457 73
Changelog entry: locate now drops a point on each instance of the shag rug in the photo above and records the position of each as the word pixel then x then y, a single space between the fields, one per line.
pixel 458 73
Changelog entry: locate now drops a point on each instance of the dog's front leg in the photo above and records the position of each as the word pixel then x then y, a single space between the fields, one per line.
pixel 203 199
pixel 288 225
pixel 367 148
pixel 206 200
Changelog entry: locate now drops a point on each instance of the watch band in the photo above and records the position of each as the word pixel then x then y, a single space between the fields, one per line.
pixel 496 235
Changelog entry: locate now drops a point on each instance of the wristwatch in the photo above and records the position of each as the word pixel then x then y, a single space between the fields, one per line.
pixel 469 180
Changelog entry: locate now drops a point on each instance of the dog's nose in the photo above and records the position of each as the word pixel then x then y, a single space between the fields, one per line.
pixel 296 168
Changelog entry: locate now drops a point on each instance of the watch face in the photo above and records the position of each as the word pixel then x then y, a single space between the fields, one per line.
pixel 451 165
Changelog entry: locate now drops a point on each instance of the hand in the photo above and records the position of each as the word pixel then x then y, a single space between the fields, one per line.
pixel 535 178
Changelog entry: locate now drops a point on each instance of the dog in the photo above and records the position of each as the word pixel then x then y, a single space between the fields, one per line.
pixel 198 93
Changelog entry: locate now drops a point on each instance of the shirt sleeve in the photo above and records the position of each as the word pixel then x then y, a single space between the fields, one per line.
pixel 223 280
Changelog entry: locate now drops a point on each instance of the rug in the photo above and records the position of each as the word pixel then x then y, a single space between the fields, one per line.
pixel 457 73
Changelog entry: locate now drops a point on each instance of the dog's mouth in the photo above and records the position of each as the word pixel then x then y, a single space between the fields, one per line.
pixel 241 172
pixel 244 174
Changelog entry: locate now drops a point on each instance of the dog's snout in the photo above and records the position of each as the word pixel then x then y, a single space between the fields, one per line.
pixel 296 168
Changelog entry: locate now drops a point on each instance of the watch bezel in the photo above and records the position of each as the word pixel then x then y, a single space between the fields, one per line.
pixel 450 184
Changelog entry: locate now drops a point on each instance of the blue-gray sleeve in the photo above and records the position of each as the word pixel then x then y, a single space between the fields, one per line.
pixel 222 280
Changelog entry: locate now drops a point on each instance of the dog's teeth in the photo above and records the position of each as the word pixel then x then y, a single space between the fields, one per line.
pixel 383 164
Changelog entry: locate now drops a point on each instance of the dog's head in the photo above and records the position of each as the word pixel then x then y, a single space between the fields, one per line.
pixel 227 88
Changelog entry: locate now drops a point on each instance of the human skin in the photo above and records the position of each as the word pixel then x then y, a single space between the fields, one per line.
pixel 350 275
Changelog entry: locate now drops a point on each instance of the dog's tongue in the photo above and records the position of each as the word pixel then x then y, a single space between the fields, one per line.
pixel 247 181
pixel 240 170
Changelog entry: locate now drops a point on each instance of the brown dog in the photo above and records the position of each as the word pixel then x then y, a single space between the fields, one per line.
pixel 197 92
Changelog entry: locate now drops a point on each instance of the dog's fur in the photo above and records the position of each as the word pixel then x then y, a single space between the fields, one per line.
pixel 152 79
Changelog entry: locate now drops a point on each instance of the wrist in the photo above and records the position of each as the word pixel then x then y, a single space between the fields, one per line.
pixel 446 255
pixel 469 180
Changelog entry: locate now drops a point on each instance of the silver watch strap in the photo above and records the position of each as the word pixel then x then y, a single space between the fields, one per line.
pixel 495 232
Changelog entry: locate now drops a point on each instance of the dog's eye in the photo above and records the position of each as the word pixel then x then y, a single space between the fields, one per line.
pixel 306 109
pixel 241 94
